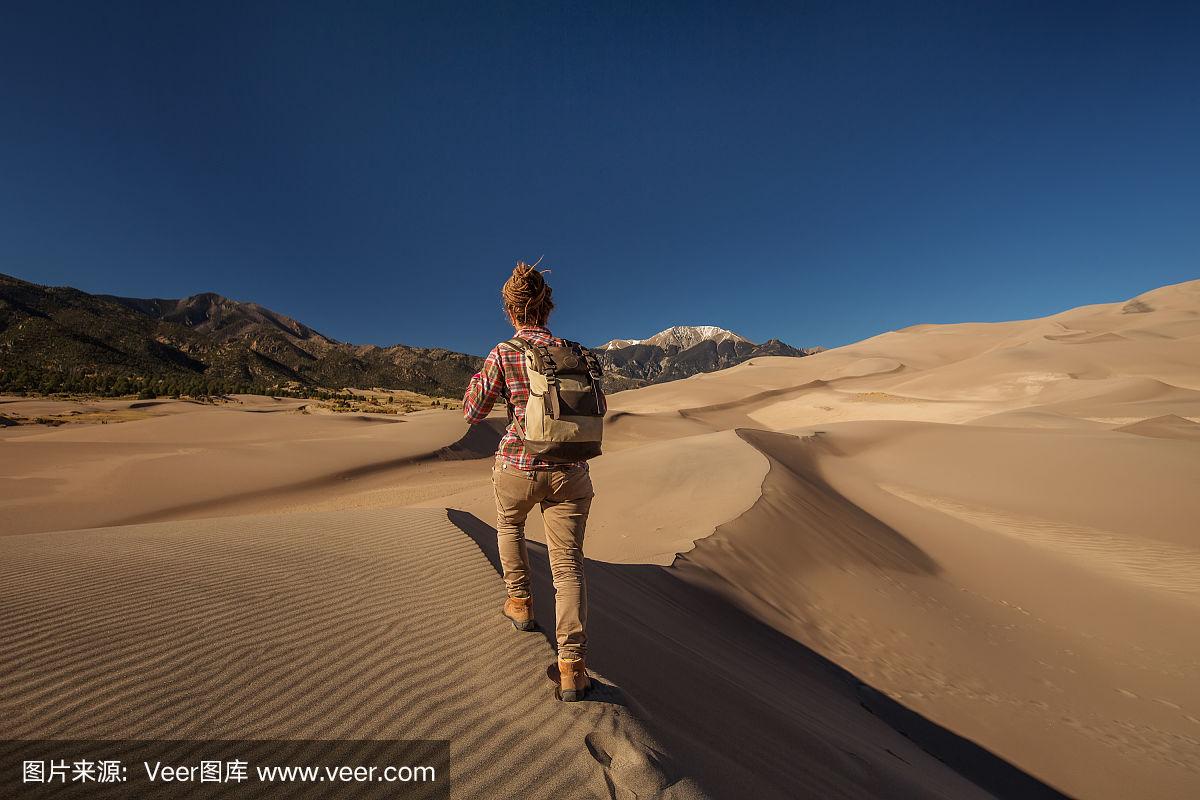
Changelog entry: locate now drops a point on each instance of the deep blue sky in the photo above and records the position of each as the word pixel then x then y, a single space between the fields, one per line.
pixel 819 172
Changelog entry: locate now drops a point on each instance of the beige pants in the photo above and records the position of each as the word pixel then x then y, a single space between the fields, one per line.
pixel 566 497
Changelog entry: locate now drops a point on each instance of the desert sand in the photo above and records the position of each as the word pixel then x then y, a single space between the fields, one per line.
pixel 950 560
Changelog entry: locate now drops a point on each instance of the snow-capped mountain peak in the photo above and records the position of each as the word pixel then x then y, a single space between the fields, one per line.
pixel 615 343
pixel 681 336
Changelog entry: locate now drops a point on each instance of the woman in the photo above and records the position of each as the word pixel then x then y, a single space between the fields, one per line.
pixel 522 480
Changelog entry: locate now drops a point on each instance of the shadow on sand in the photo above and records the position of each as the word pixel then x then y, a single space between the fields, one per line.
pixel 748 711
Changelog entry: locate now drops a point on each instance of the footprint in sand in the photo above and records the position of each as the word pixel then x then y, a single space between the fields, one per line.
pixel 634 769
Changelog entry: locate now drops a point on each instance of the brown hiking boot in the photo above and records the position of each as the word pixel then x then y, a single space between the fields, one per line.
pixel 519 611
pixel 573 680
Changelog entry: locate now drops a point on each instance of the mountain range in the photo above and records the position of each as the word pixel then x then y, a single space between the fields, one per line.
pixel 64 339
pixel 681 336
pixel 55 338
pixel 680 352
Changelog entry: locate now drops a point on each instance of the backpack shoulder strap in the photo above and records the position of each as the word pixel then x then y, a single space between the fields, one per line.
pixel 541 361
pixel 516 343
pixel 531 351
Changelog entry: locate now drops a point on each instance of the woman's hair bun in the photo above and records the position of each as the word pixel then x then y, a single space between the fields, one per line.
pixel 527 296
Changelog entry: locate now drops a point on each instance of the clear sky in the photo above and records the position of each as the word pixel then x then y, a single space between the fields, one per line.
pixel 817 172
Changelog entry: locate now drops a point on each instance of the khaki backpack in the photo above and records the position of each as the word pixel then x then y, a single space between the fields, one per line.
pixel 563 418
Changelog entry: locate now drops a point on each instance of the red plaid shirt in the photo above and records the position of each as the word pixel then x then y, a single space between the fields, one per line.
pixel 506 369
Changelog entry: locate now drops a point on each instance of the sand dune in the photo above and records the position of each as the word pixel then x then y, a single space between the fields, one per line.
pixel 384 624
pixel 666 497
pixel 1168 426
pixel 1003 599
pixel 980 534
pixel 197 459
pixel 1156 566
pixel 998 573
pixel 968 368
pixel 347 625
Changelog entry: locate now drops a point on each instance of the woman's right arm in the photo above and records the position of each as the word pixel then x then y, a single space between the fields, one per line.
pixel 485 388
